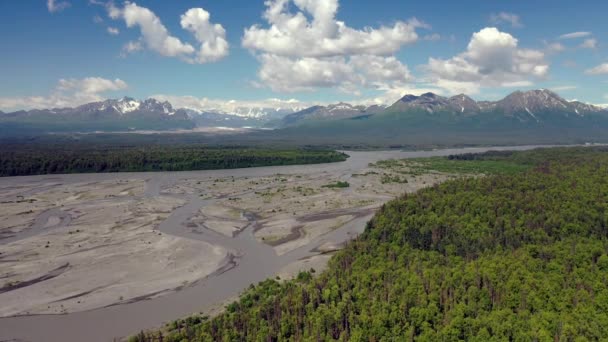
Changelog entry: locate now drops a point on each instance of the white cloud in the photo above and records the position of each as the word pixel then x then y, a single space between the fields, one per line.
pixel 212 37
pixel 505 17
pixel 91 85
pixel 284 74
pixel 131 47
pixel 311 49
pixel 575 35
pixel 57 6
pixel 97 19
pixel 156 37
pixel 113 30
pixel 113 11
pixel 154 33
pixel 67 93
pixel 555 47
pixel 492 59
pixel 432 37
pixel 294 35
pixel 564 88
pixel 601 69
pixel 590 43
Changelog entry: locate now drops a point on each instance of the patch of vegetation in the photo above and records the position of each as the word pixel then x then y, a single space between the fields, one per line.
pixel 337 185
pixel 488 163
pixel 461 166
pixel 305 191
pixel 71 158
pixel 389 178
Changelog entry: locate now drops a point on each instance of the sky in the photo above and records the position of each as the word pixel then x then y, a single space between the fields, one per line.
pixel 276 53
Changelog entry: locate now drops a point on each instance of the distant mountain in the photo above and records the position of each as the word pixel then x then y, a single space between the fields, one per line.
pixel 432 103
pixel 231 115
pixel 109 115
pixel 536 116
pixel 521 105
pixel 258 113
pixel 331 112
pixel 215 119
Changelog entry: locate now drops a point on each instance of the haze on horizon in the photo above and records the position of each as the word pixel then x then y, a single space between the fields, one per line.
pixel 282 53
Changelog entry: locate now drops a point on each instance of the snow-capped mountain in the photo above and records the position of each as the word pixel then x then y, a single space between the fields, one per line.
pixel 109 115
pixel 534 105
pixel 258 113
pixel 125 106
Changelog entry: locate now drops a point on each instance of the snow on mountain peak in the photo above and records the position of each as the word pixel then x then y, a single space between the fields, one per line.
pixel 127 105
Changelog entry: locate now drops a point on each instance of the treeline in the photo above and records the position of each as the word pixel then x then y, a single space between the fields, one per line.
pixel 21 160
pixel 519 257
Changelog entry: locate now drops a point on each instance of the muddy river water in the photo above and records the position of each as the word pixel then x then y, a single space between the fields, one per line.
pixel 251 261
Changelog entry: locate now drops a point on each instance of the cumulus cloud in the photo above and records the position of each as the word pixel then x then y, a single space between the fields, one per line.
pixel 348 74
pixel 294 35
pixel 601 69
pixel 156 37
pixel 57 6
pixel 310 48
pixel 492 59
pixel 154 33
pixel 67 93
pixel 590 43
pixel 113 30
pixel 575 35
pixel 505 17
pixel 212 37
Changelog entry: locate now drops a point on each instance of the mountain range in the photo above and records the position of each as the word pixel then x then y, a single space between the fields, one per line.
pixel 536 112
pixel 531 117
pixel 530 106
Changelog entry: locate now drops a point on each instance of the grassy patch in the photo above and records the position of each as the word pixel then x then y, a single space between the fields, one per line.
pixel 337 185
pixel 479 164
pixel 446 165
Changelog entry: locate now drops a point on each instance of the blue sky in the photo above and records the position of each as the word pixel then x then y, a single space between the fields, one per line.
pixel 203 53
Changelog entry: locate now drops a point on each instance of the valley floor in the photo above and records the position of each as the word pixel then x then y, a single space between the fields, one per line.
pixel 117 251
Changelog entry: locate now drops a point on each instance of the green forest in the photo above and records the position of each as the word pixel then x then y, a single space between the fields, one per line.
pixel 521 256
pixel 36 159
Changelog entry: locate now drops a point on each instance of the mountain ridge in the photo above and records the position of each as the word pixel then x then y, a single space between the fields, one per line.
pixel 519 104
pixel 427 112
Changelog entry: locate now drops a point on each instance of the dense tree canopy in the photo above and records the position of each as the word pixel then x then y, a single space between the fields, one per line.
pixel 520 257
pixel 64 158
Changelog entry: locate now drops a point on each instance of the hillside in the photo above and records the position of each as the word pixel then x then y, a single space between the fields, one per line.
pixel 519 256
